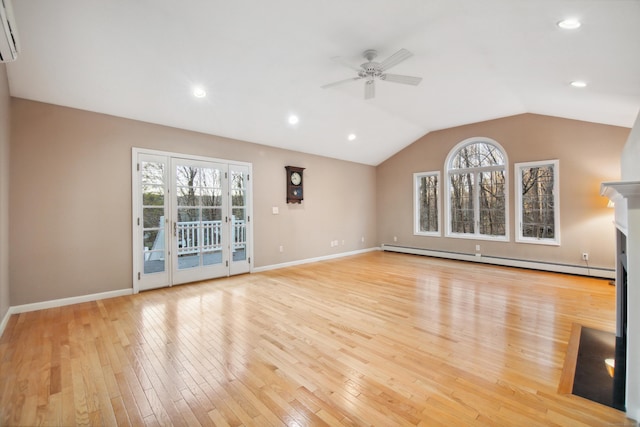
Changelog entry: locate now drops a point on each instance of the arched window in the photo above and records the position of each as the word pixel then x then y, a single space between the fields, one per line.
pixel 476 202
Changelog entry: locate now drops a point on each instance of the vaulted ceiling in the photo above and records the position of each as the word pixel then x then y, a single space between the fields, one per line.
pixel 262 61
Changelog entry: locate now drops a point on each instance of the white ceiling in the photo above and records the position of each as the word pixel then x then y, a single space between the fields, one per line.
pixel 261 61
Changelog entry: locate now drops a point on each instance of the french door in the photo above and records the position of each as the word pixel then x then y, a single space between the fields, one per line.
pixel 191 219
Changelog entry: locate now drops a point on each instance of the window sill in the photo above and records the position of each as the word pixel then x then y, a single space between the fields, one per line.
pixel 427 233
pixel 478 237
pixel 547 242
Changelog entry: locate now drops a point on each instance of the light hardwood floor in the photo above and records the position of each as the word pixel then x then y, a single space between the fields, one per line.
pixel 376 339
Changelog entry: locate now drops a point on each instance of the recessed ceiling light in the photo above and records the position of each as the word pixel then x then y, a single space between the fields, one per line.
pixel 578 83
pixel 293 119
pixel 351 136
pixel 569 24
pixel 199 92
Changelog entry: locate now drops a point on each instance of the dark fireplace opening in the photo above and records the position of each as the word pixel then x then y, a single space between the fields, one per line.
pixel 620 372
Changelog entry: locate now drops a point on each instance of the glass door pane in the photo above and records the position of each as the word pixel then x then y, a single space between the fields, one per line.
pixel 199 225
pixel 151 221
pixel 240 225
pixel 212 219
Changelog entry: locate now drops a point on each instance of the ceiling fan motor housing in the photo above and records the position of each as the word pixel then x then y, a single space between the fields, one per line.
pixel 370 69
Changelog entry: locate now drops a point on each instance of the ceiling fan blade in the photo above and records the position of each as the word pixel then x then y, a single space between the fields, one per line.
pixel 369 89
pixel 395 59
pixel 340 60
pixel 339 82
pixel 399 78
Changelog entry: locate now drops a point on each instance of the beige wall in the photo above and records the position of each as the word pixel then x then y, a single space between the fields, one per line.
pixel 631 154
pixel 4 192
pixel 588 153
pixel 71 199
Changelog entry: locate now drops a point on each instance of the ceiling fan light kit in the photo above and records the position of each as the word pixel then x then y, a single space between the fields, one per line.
pixel 371 71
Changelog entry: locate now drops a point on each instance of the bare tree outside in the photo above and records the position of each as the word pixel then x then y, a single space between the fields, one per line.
pixel 428 202
pixel 538 202
pixel 153 180
pixel 492 203
pixel 186 183
pixel 462 211
pixel 238 195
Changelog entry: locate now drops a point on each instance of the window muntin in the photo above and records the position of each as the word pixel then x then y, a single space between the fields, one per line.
pixel 426 203
pixel 538 202
pixel 477 190
pixel 477 154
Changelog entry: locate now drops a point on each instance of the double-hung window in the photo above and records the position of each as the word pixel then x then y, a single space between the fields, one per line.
pixel 426 193
pixel 538 202
pixel 476 202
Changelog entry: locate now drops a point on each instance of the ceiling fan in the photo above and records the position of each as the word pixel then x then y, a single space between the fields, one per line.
pixel 371 71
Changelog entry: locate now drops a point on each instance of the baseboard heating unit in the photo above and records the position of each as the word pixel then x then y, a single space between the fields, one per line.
pixel 605 273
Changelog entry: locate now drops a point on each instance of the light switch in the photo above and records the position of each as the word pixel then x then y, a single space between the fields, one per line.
pixel 275 210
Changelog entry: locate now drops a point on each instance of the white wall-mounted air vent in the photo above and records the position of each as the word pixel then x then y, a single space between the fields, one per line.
pixel 9 46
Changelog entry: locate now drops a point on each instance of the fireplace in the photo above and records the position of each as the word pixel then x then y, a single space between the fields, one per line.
pixel 626 197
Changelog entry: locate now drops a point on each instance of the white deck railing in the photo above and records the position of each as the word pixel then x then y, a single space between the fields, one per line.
pixel 206 236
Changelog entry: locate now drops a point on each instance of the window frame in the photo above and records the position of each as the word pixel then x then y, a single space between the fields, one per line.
pixel 518 167
pixel 476 171
pixel 416 204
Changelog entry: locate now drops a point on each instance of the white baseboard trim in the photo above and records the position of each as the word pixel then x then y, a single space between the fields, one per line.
pixel 507 262
pixel 68 301
pixel 5 320
pixel 309 260
pixel 112 294
pixel 60 303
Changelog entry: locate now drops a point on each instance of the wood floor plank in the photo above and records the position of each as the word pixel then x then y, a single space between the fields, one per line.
pixel 218 418
pixel 134 399
pixel 373 339
pixel 199 405
pixel 120 412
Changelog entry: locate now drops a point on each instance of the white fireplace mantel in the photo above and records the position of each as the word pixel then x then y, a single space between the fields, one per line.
pixel 622 188
pixel 619 192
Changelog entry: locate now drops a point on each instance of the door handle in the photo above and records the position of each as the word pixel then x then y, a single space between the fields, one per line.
pixel 175 228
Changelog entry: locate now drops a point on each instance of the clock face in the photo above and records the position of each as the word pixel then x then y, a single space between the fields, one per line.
pixel 296 179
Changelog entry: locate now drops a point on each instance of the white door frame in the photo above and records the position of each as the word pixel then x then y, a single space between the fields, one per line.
pixel 137 242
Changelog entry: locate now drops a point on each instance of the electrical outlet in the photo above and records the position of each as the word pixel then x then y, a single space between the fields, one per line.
pixel 477 248
pixel 281 248
pixel 585 256
pixel 395 238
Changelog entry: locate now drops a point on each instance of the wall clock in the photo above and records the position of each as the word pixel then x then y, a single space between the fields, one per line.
pixel 294 184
